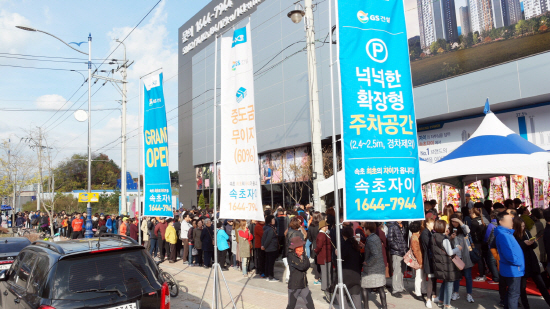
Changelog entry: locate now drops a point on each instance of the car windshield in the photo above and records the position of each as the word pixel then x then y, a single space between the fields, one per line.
pixel 13 246
pixel 128 271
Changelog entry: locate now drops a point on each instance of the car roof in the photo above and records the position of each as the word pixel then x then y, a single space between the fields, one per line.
pixel 5 240
pixel 86 245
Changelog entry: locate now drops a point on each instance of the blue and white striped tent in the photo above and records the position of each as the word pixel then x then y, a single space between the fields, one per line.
pixel 492 150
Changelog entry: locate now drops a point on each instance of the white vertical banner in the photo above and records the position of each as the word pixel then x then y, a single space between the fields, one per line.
pixel 240 185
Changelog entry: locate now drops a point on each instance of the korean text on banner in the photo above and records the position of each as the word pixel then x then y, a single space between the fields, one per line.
pixel 157 190
pixel 240 187
pixel 378 121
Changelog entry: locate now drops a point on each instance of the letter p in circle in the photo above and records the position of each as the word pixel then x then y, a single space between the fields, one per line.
pixel 377 50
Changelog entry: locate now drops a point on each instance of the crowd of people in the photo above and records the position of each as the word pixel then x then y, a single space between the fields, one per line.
pixel 502 244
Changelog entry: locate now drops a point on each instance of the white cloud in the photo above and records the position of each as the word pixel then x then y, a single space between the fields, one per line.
pixel 13 40
pixel 52 101
pixel 149 46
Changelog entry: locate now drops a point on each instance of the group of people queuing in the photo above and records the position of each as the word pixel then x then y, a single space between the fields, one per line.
pixel 73 225
pixel 498 243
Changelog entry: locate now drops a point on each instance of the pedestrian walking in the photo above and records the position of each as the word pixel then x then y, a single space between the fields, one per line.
pixel 223 245
pixel 323 251
pixel 297 283
pixel 244 242
pixel 444 267
pixel 397 235
pixel 207 239
pixel 429 283
pixel 197 243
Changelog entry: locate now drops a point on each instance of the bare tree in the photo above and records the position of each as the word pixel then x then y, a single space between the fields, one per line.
pixel 46 154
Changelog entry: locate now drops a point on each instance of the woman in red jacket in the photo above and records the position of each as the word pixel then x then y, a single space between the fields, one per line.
pixel 323 250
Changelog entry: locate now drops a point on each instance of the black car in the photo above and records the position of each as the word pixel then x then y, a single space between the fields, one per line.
pixel 107 272
pixel 9 249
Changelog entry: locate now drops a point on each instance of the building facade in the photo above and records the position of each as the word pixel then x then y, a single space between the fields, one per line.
pixel 437 20
pixel 465 20
pixel 534 8
pixel 515 88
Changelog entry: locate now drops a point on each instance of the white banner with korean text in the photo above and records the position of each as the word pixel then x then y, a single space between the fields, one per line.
pixel 240 187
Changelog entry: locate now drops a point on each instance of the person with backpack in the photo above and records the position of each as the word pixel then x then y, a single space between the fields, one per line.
pixel 477 231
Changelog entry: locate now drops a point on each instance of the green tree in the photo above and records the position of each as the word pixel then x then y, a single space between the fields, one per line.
pixel 175 178
pixel 475 38
pixel 201 202
pixel 521 27
pixel 72 174
pixel 434 47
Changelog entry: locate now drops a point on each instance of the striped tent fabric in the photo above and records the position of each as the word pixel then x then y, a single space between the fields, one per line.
pixel 493 149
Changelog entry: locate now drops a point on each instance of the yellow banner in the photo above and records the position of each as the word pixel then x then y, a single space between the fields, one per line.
pixel 85 197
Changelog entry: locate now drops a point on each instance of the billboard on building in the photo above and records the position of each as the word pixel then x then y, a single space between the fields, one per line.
pixel 452 37
pixel 198 177
pixel 277 164
pixel 289 167
pixel 303 164
pixel 266 170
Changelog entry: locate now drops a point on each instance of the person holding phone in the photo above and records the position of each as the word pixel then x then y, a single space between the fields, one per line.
pixel 532 264
pixel 459 236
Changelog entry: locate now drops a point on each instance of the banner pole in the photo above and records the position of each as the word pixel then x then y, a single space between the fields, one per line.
pixel 341 285
pixel 216 279
pixel 139 163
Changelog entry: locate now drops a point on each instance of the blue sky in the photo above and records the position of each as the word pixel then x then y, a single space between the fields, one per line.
pixel 152 45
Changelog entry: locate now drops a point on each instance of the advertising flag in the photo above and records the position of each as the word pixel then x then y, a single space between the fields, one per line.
pixel 240 186
pixel 378 121
pixel 156 178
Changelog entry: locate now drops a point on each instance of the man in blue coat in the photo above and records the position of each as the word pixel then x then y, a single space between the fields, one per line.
pixel 512 261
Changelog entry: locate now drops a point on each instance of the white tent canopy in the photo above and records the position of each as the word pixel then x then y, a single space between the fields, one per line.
pixel 492 150
pixel 327 186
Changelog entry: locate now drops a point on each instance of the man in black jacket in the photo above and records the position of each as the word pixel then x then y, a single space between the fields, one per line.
pixel 299 265
pixel 207 239
pixel 397 242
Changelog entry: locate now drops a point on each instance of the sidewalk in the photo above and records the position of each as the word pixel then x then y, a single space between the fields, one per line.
pixel 254 292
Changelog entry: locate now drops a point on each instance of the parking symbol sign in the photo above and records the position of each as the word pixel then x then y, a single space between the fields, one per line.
pixel 377 50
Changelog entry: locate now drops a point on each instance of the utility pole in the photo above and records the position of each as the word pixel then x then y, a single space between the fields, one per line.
pixel 88 233
pixel 123 140
pixel 39 166
pixel 316 148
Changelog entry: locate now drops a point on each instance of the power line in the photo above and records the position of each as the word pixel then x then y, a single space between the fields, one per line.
pixel 45 60
pixel 37 68
pixel 129 33
pixel 52 57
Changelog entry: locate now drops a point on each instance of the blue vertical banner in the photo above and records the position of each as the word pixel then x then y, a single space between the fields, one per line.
pixel 157 189
pixel 382 180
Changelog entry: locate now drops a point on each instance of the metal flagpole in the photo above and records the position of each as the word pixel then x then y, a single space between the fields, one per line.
pixel 139 162
pixel 216 267
pixel 341 287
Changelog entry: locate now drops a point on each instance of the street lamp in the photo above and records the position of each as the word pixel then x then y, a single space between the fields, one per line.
pixel 296 14
pixel 316 147
pixel 88 233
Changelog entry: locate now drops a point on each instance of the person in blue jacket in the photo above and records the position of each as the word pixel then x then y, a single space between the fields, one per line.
pixel 109 225
pixel 223 245
pixel 512 261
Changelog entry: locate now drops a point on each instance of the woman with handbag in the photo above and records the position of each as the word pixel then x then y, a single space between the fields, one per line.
pixel 428 260
pixel 533 267
pixel 374 271
pixel 416 250
pixel 462 231
pixel 445 262
pixel 244 240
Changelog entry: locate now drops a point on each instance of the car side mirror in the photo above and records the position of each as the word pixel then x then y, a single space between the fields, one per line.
pixel 4 275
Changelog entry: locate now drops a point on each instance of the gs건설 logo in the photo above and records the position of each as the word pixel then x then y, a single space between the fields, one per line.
pixel 363 17
pixel 241 94
pixel 239 36
pixel 153 101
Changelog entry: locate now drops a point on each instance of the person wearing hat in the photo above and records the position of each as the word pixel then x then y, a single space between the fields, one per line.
pixel 299 265
pixel 171 237
pixel 323 250
pixel 123 227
